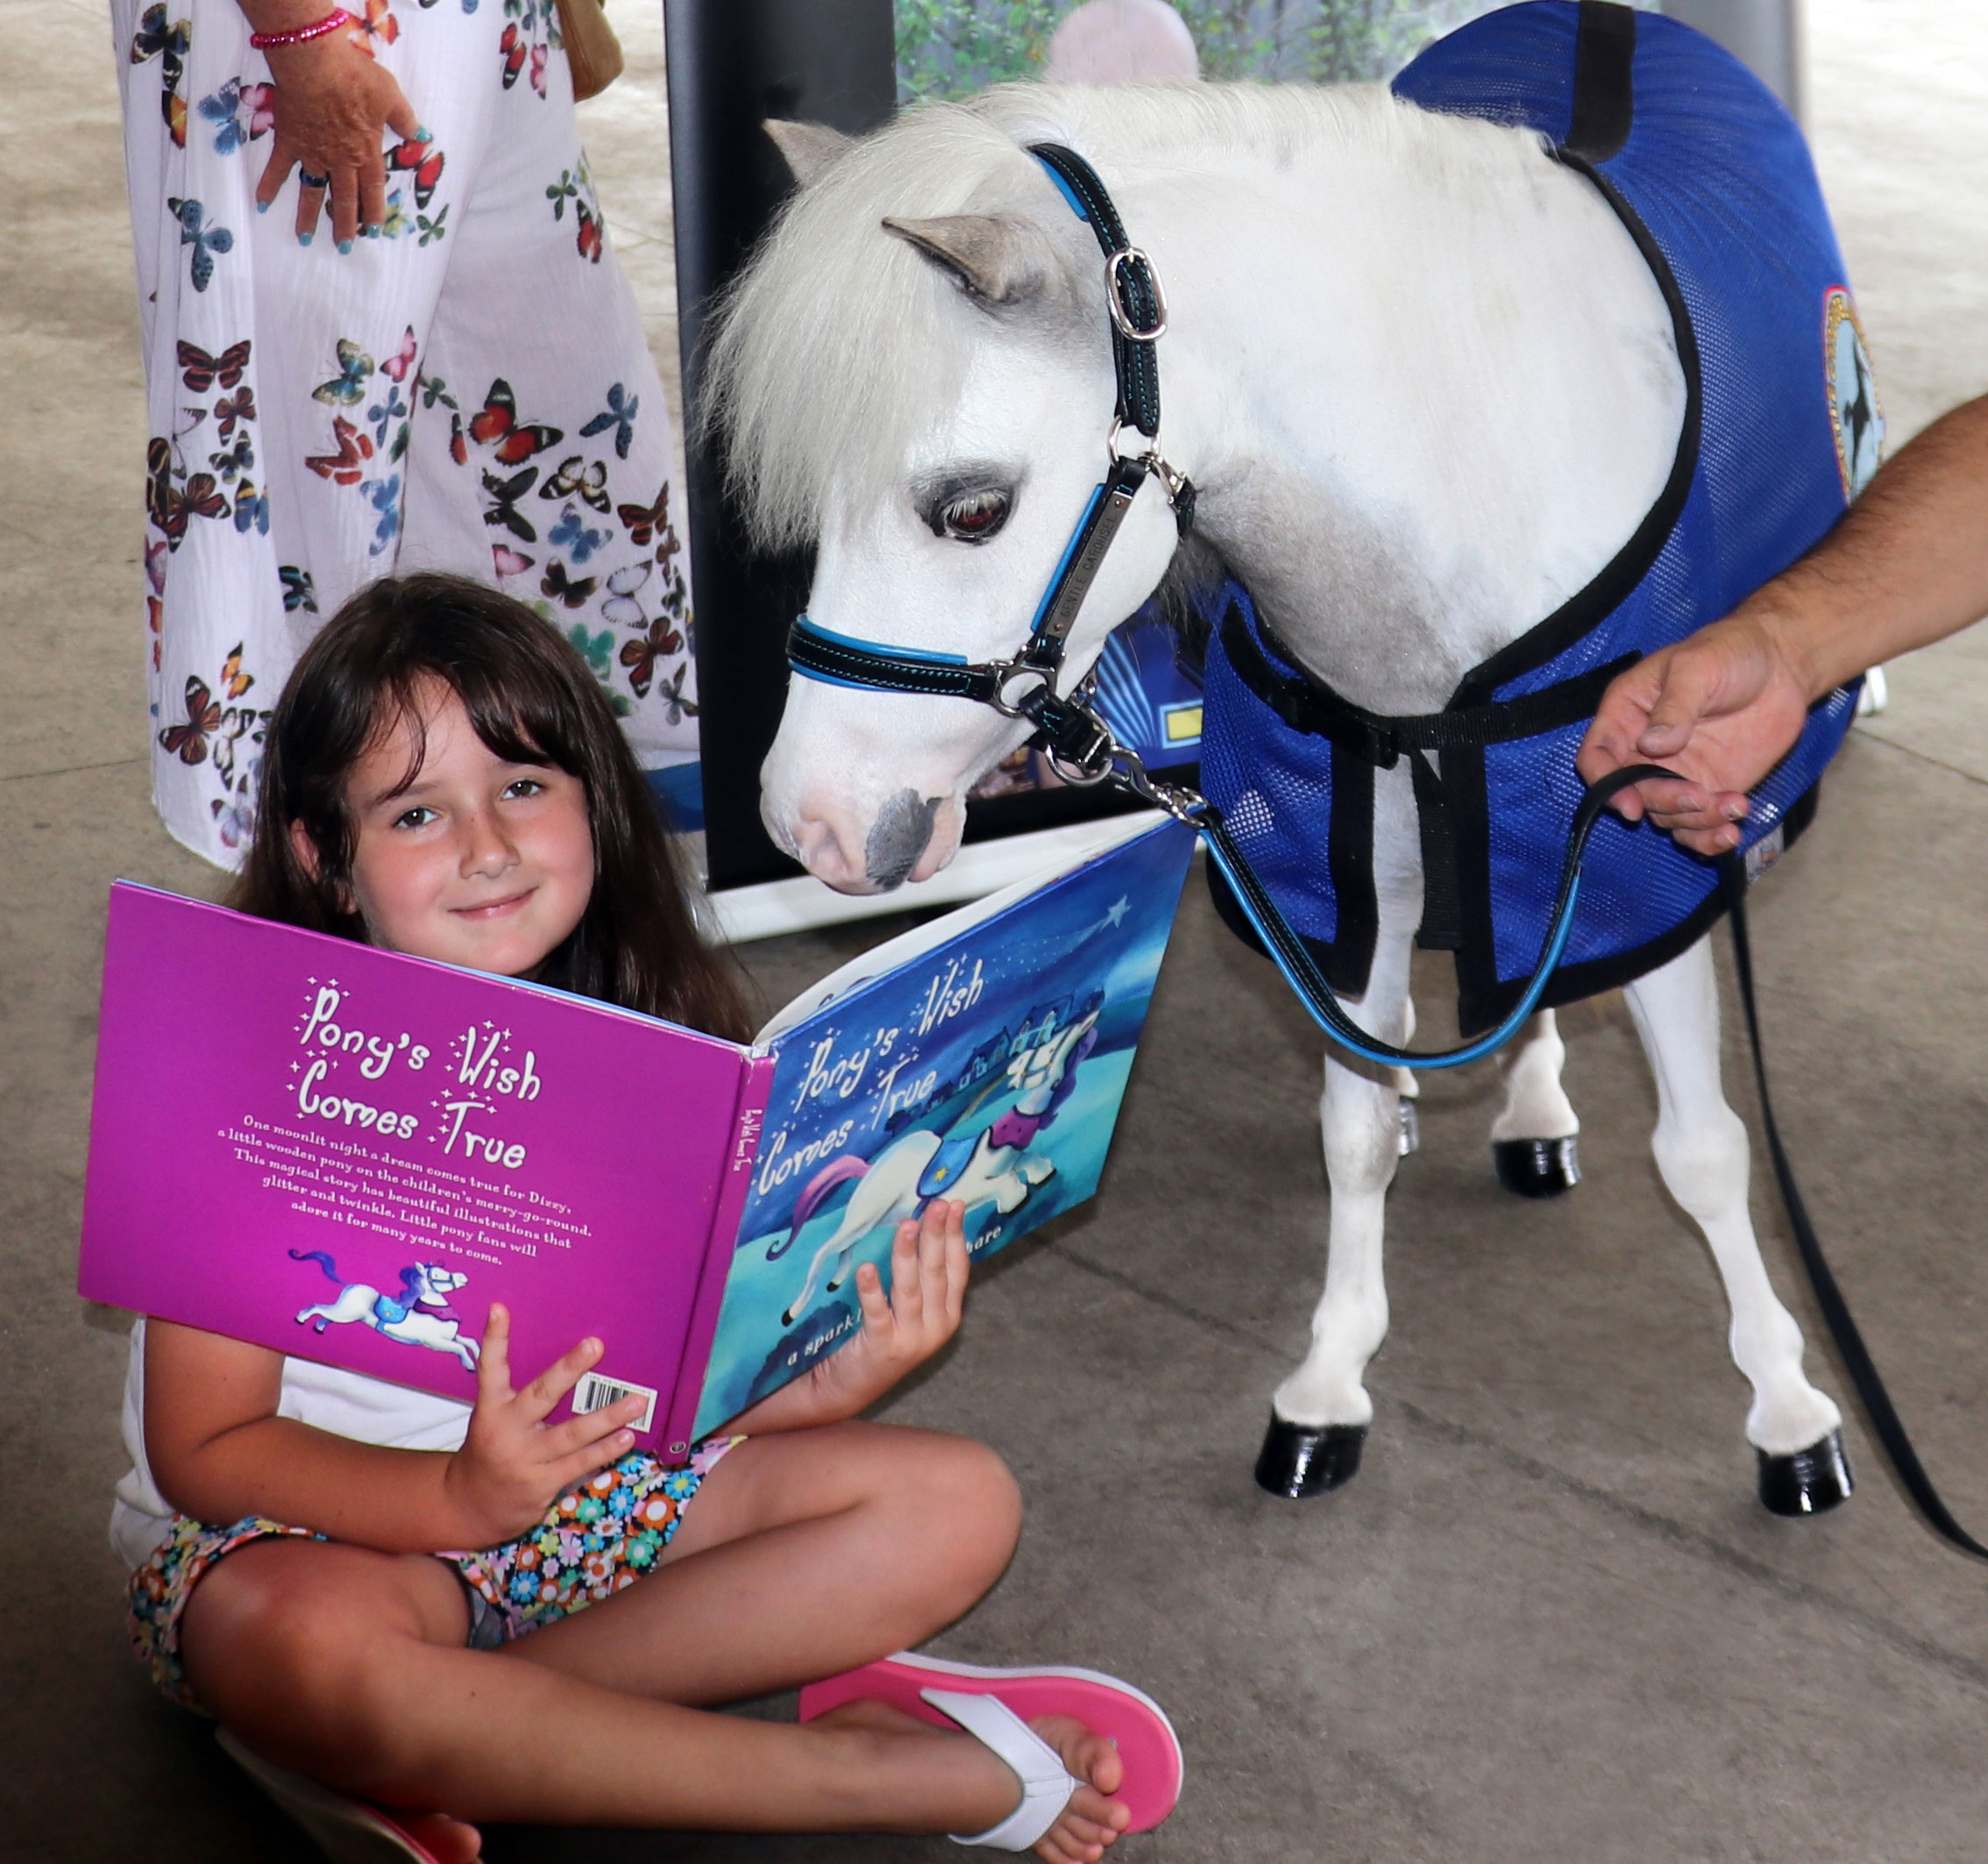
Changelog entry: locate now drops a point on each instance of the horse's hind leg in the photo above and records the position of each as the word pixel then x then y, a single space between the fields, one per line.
pixel 1701 1151
pixel 1320 1413
pixel 1532 1140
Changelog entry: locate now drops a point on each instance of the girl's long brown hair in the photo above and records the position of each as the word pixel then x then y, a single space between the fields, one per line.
pixel 531 700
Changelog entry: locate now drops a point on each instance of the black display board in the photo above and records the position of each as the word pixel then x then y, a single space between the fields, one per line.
pixel 733 63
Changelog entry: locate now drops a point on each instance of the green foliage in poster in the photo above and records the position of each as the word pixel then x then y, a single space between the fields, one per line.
pixel 947 48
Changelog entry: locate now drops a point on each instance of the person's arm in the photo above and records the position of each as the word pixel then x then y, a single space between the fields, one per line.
pixel 928 1278
pixel 219 1451
pixel 1907 565
pixel 334 106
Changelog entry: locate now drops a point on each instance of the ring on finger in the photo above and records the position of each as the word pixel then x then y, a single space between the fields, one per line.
pixel 307 179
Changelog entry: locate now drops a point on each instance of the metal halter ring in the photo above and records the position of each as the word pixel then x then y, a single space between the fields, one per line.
pixel 1115 296
pixel 1083 776
pixel 1005 672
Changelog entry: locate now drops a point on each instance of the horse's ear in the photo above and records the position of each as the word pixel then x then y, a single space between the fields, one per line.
pixel 998 259
pixel 807 148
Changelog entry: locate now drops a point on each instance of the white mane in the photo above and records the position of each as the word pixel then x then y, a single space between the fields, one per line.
pixel 839 344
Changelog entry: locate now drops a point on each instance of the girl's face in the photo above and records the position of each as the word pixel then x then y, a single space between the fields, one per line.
pixel 478 862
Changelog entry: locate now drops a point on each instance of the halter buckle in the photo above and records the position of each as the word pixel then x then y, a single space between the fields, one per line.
pixel 1115 266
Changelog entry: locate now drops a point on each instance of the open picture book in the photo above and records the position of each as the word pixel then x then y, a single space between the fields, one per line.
pixel 362 1151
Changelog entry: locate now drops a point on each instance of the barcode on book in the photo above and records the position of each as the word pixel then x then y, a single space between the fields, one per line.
pixel 596 1393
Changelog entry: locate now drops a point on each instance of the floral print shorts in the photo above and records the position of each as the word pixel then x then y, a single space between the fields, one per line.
pixel 594 1541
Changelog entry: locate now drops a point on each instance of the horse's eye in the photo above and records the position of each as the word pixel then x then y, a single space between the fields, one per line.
pixel 973 517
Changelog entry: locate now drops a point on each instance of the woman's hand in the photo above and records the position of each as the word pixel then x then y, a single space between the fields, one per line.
pixel 928 1278
pixel 334 106
pixel 513 1466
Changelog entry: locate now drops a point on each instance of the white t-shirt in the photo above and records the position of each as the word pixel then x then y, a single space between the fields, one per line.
pixel 346 1404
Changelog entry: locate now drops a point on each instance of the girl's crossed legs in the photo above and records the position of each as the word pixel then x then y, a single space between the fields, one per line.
pixel 818 1551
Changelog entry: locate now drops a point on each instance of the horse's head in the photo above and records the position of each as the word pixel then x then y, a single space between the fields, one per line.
pixel 915 374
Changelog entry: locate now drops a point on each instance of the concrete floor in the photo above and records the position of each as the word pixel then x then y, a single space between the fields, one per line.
pixel 1549 1622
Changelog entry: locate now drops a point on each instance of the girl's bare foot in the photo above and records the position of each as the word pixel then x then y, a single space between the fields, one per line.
pixel 1091 1821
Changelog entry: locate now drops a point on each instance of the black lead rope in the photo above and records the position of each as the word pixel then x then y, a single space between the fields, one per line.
pixel 1290 955
pixel 1878 1410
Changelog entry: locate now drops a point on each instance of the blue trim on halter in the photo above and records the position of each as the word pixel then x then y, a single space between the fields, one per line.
pixel 923 656
pixel 1063 563
pixel 1064 189
pixel 927 657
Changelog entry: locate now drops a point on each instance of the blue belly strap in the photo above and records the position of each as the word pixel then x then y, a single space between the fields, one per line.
pixel 1712 178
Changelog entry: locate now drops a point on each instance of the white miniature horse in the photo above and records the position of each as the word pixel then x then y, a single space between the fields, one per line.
pixel 1425 385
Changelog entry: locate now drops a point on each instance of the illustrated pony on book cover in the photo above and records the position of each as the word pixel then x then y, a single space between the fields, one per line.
pixel 991 1072
pixel 420 1314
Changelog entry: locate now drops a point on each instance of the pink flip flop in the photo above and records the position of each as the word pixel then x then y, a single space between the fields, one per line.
pixel 348 1830
pixel 1130 1719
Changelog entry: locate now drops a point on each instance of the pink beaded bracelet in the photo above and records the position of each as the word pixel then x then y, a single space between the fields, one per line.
pixel 331 23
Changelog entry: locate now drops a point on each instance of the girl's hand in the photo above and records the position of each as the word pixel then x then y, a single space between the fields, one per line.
pixel 513 1466
pixel 928 1278
pixel 334 105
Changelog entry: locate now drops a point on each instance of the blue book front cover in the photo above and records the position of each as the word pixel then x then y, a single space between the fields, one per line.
pixel 982 1057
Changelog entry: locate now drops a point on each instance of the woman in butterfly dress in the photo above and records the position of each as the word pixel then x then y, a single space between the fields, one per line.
pixel 383 330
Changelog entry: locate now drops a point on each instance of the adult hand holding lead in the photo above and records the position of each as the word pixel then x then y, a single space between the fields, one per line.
pixel 334 106
pixel 1907 565
pixel 1720 707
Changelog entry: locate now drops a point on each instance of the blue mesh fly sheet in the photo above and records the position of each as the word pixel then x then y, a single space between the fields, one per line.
pixel 1713 179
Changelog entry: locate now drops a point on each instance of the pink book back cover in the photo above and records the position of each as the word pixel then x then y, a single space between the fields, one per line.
pixel 346 1155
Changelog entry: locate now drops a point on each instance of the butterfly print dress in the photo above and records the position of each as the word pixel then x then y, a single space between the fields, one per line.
pixel 468 391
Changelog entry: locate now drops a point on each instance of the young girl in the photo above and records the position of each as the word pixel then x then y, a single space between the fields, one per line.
pixel 382 1590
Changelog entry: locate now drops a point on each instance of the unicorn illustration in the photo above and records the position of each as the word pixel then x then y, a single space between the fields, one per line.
pixel 418 1315
pixel 990 1164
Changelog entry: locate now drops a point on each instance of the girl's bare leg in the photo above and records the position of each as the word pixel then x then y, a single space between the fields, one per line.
pixel 348 1665
pixel 817 1551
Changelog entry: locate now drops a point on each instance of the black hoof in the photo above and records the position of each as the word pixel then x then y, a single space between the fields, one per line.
pixel 1411 1127
pixel 1537 1168
pixel 1810 1481
pixel 1295 1461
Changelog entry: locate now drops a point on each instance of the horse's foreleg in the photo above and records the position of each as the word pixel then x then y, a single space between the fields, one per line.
pixel 1701 1151
pixel 1320 1413
pixel 1532 1139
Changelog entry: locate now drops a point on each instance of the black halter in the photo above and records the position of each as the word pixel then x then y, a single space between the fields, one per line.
pixel 1077 741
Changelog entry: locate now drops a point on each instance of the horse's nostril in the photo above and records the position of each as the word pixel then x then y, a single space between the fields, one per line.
pixel 897 838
